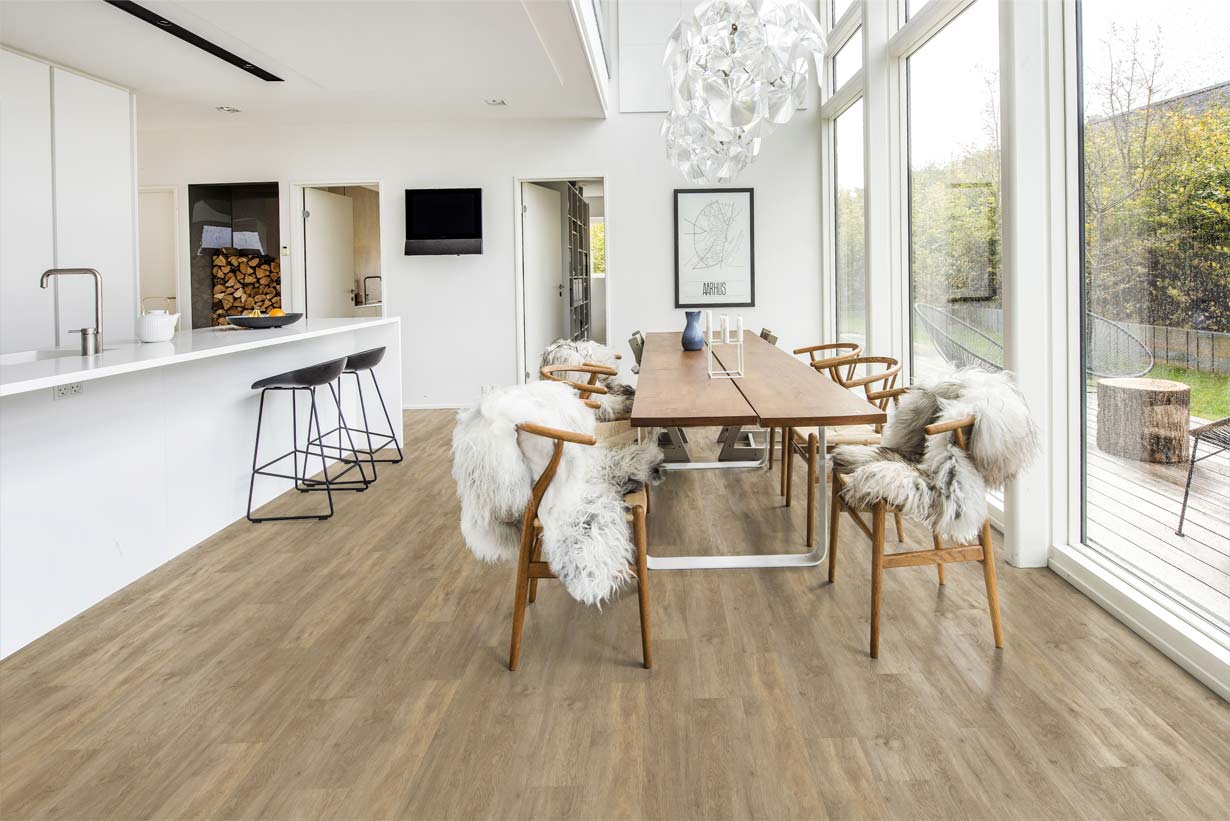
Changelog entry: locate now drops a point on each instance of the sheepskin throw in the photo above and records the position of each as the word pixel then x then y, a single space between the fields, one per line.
pixel 930 478
pixel 586 540
pixel 616 403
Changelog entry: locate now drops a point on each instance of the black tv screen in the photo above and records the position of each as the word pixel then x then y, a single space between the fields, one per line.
pixel 444 214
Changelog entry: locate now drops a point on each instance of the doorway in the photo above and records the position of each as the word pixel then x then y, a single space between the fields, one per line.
pixel 561 265
pixel 341 251
pixel 158 254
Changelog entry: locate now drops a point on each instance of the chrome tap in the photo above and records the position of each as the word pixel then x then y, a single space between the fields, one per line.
pixel 91 338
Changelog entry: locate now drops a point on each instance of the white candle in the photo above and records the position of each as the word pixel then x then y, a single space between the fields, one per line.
pixel 726 328
pixel 739 338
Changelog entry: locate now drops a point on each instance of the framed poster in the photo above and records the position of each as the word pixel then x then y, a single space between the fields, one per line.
pixel 715 251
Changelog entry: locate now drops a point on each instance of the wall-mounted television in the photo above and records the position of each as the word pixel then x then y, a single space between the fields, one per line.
pixel 444 221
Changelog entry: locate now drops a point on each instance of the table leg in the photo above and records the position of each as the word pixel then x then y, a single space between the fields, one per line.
pixel 817 555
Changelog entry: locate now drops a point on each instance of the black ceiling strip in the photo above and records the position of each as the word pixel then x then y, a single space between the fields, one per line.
pixel 163 24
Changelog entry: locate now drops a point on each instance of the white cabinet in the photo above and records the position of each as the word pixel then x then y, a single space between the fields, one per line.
pixel 95 202
pixel 26 311
pixel 67 200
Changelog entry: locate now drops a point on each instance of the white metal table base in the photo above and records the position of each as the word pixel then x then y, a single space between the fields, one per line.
pixel 745 560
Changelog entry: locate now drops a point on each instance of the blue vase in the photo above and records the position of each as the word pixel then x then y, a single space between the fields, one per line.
pixel 693 338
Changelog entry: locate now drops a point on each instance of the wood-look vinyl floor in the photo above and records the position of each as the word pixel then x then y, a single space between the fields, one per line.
pixel 355 669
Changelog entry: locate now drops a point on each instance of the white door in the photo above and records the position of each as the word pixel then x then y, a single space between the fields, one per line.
pixel 328 260
pixel 156 254
pixel 542 238
pixel 27 313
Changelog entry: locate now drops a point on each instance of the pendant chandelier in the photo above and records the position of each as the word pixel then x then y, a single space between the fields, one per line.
pixel 738 68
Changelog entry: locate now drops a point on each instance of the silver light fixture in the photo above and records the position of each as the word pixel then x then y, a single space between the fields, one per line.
pixel 227 109
pixel 738 69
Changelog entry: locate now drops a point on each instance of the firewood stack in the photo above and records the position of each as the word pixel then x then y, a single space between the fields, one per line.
pixel 245 282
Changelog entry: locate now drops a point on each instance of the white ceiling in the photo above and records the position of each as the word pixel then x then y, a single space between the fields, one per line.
pixel 341 61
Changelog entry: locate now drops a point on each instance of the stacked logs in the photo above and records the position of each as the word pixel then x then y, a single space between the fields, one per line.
pixel 245 282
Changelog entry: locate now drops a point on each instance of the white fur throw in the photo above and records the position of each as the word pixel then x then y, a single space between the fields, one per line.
pixel 586 540
pixel 616 403
pixel 929 478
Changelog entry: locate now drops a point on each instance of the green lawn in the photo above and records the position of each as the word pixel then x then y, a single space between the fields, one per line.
pixel 1210 391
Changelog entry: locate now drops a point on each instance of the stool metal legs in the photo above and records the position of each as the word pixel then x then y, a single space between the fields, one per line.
pixel 376 441
pixel 262 470
pixel 358 485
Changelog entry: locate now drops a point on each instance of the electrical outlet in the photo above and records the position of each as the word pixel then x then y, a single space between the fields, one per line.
pixel 66 391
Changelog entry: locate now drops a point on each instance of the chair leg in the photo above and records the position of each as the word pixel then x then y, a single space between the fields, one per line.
pixel 789 465
pixel 781 485
pixel 772 442
pixel 641 540
pixel 877 574
pixel 812 444
pixel 938 544
pixel 1187 489
pixel 900 525
pixel 536 556
pixel 988 574
pixel 519 598
pixel 834 520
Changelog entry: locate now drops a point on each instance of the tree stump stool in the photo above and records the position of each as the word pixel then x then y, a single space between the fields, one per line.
pixel 1144 419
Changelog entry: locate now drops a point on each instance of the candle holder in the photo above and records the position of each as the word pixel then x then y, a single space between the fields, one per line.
pixel 716 370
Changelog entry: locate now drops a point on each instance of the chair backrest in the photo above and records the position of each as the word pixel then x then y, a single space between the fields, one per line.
pixel 637 343
pixel 832 358
pixel 558 373
pixel 879 380
pixel 544 480
pixel 768 336
pixel 961 429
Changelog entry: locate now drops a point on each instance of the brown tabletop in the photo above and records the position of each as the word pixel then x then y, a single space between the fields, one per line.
pixel 674 389
pixel 786 392
pixel 777 390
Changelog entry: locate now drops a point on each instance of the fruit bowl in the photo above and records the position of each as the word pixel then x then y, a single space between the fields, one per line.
pixel 263 321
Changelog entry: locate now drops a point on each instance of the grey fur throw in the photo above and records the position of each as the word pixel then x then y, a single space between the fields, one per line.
pixel 586 540
pixel 930 478
pixel 616 403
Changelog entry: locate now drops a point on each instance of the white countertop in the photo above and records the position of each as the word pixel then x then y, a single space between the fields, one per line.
pixel 22 373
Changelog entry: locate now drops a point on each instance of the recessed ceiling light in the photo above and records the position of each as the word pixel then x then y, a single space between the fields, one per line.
pixel 495 101
pixel 228 109
pixel 164 22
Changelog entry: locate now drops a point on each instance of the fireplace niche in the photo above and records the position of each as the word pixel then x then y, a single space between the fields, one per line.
pixel 235 245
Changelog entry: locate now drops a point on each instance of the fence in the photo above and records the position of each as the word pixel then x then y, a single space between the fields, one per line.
pixel 1207 351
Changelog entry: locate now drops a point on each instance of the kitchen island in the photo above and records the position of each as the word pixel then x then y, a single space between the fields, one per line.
pixel 148 454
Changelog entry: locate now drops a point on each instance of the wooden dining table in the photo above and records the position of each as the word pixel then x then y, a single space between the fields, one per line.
pixel 776 390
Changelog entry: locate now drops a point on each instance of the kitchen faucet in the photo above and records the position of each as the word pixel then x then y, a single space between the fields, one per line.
pixel 91 338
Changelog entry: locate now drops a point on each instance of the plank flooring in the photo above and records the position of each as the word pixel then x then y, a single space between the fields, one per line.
pixel 355 669
pixel 1134 510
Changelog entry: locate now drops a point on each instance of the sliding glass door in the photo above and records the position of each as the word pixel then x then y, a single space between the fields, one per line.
pixel 1155 85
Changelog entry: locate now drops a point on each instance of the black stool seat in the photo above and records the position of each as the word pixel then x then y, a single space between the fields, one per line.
pixel 364 360
pixel 310 377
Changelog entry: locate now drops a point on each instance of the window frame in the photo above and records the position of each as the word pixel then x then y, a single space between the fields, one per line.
pixel 833 103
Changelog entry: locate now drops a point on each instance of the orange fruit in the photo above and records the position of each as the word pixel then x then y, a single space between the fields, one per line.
pixel 277 312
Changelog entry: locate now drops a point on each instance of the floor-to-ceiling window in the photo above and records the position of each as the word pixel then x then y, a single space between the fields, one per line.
pixel 954 240
pixel 849 252
pixel 1155 82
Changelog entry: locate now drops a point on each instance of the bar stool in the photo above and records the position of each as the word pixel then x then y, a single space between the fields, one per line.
pixel 303 379
pixel 355 365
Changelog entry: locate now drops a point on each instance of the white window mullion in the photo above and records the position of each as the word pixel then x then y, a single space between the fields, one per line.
pixel 1036 333
pixel 881 180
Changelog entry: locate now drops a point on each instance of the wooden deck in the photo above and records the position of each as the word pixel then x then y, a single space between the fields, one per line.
pixel 1133 510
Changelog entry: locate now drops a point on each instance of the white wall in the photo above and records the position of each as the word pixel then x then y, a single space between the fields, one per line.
pixel 458 312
